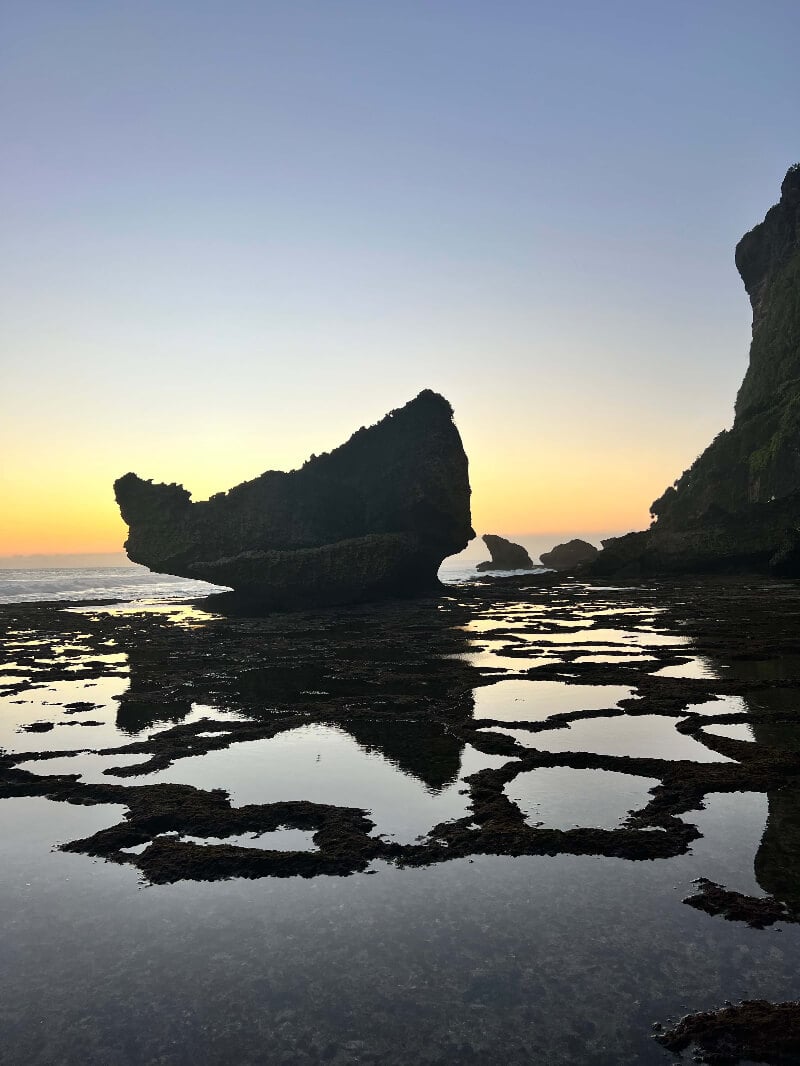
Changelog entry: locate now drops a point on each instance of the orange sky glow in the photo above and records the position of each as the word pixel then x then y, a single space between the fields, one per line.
pixel 51 508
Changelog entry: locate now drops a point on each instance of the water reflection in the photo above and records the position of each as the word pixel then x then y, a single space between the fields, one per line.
pixel 516 958
pixel 534 701
pixel 324 764
pixel 558 797
pixel 641 736
pixel 777 861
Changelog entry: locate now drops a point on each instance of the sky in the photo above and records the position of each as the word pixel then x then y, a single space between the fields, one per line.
pixel 235 232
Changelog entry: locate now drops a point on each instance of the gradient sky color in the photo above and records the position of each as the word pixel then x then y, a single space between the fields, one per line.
pixel 235 232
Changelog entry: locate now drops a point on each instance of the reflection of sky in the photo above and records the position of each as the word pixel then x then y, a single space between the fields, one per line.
pixel 562 798
pixel 699 667
pixel 325 765
pixel 298 192
pixel 46 703
pixel 639 736
pixel 511 701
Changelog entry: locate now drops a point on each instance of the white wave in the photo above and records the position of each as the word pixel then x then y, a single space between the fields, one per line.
pixel 96 583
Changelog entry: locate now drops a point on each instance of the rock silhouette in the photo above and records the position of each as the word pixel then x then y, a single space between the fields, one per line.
pixel 505 555
pixel 569 556
pixel 374 518
pixel 738 505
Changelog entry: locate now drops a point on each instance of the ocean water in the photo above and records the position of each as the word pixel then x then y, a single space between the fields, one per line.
pixel 131 583
pixel 31 585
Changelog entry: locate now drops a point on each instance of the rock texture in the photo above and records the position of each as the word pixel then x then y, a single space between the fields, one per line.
pixel 505 555
pixel 738 506
pixel 570 556
pixel 373 518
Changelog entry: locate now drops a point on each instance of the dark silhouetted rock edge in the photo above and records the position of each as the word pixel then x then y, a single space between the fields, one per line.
pixel 572 555
pixel 737 508
pixel 505 555
pixel 371 519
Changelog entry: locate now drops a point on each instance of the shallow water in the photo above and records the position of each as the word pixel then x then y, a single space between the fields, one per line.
pixel 534 701
pixel 696 667
pixel 558 958
pixel 637 736
pixel 553 959
pixel 558 797
pixel 278 840
pixel 326 765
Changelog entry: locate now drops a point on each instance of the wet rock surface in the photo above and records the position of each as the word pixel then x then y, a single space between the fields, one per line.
pixel 505 555
pixel 400 686
pixel 755 1031
pixel 756 911
pixel 371 519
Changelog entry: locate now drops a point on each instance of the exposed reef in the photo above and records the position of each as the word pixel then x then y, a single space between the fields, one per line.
pixel 752 1031
pixel 505 555
pixel 374 518
pixel 570 556
pixel 737 508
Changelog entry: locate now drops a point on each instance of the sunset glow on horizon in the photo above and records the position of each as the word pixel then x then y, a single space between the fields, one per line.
pixel 76 511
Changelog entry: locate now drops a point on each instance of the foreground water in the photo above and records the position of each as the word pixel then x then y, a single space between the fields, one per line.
pixel 455 831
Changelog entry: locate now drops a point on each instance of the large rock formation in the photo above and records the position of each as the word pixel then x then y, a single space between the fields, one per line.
pixel 573 555
pixel 373 518
pixel 505 555
pixel 738 506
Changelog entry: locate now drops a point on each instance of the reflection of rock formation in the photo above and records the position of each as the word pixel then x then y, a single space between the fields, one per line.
pixel 738 506
pixel 393 685
pixel 505 555
pixel 777 862
pixel 427 750
pixel 136 716
pixel 374 518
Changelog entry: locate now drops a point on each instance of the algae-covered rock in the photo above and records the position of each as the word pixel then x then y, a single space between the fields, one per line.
pixel 373 518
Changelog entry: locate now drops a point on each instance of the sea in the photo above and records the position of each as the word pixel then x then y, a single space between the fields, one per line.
pixel 133 583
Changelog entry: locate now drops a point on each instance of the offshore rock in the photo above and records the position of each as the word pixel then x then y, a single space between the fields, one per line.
pixel 372 519
pixel 738 506
pixel 505 555
pixel 570 556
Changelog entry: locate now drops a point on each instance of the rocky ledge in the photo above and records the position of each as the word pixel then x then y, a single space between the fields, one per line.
pixel 505 555
pixel 737 508
pixel 372 519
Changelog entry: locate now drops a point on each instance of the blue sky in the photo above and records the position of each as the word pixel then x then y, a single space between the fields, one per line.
pixel 235 232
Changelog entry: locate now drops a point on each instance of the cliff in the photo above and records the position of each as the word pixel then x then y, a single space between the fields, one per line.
pixel 373 518
pixel 738 505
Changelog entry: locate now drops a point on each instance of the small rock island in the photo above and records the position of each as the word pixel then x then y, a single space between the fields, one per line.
pixel 570 556
pixel 505 555
pixel 372 519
